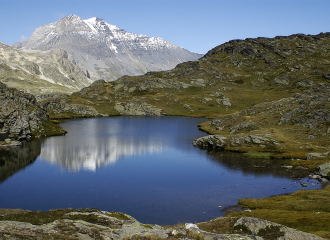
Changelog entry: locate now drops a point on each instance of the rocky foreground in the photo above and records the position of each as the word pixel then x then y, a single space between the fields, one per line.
pixel 95 224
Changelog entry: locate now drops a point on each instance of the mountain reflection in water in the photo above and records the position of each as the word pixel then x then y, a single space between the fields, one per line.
pixel 144 166
pixel 93 144
pixel 93 153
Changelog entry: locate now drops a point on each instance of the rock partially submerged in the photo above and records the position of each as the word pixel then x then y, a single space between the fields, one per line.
pixel 210 141
pixel 219 141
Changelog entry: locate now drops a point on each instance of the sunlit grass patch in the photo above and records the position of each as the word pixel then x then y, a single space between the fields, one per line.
pixel 255 154
pixel 119 215
pixel 312 164
pixel 307 211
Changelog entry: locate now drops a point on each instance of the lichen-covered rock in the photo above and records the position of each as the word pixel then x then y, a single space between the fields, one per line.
pixel 96 224
pixel 61 105
pixel 281 80
pixel 137 108
pixel 243 126
pixel 324 170
pixel 256 225
pixel 219 141
pixel 210 141
pixel 315 155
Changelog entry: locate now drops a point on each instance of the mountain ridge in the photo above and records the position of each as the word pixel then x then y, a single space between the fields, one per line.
pixel 41 72
pixel 105 50
pixel 262 92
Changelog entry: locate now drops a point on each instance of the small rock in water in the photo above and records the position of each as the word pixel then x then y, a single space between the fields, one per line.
pixel 304 184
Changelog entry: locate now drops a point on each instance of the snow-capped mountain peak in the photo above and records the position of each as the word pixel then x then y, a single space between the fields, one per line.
pixel 98 24
pixel 105 50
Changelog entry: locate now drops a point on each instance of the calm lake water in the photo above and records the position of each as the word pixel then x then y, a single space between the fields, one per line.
pixel 144 166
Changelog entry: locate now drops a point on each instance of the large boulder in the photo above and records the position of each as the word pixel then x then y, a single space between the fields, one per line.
pixel 324 170
pixel 210 141
pixel 261 227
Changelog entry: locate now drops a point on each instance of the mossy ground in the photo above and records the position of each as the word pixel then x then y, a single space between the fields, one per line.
pixel 220 226
pixel 41 217
pixel 308 211
pixel 50 128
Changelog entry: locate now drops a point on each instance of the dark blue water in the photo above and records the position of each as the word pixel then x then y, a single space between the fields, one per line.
pixel 143 166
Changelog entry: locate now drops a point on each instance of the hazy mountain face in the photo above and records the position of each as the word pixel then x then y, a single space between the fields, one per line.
pixel 41 72
pixel 105 50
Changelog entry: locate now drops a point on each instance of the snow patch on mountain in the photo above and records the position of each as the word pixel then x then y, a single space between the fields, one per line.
pixel 107 51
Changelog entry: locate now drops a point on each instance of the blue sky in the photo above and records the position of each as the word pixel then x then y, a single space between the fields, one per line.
pixel 197 25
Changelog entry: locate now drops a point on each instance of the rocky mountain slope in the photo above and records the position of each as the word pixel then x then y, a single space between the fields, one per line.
pixel 105 50
pixel 22 117
pixel 275 90
pixel 41 72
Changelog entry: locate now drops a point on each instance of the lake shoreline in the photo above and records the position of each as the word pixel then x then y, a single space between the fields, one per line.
pixel 96 224
pixel 225 150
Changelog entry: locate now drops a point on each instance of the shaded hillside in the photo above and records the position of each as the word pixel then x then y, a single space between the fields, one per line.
pixel 22 117
pixel 292 73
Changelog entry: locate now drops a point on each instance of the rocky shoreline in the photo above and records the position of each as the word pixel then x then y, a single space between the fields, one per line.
pixel 219 143
pixel 96 224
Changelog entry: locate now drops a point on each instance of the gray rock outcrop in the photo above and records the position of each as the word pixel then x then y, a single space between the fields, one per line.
pixel 220 142
pixel 256 224
pixel 61 105
pixel 210 141
pixel 95 224
pixel 324 170
pixel 20 115
pixel 137 108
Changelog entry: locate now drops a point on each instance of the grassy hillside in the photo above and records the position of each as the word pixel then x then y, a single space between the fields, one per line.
pixel 280 85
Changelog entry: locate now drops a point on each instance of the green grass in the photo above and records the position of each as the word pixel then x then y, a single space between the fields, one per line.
pixel 119 215
pixel 49 129
pixel 219 225
pixel 254 154
pixel 40 217
pixel 308 211
pixel 147 226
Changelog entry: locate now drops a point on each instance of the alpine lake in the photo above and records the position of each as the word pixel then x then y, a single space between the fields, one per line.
pixel 146 167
